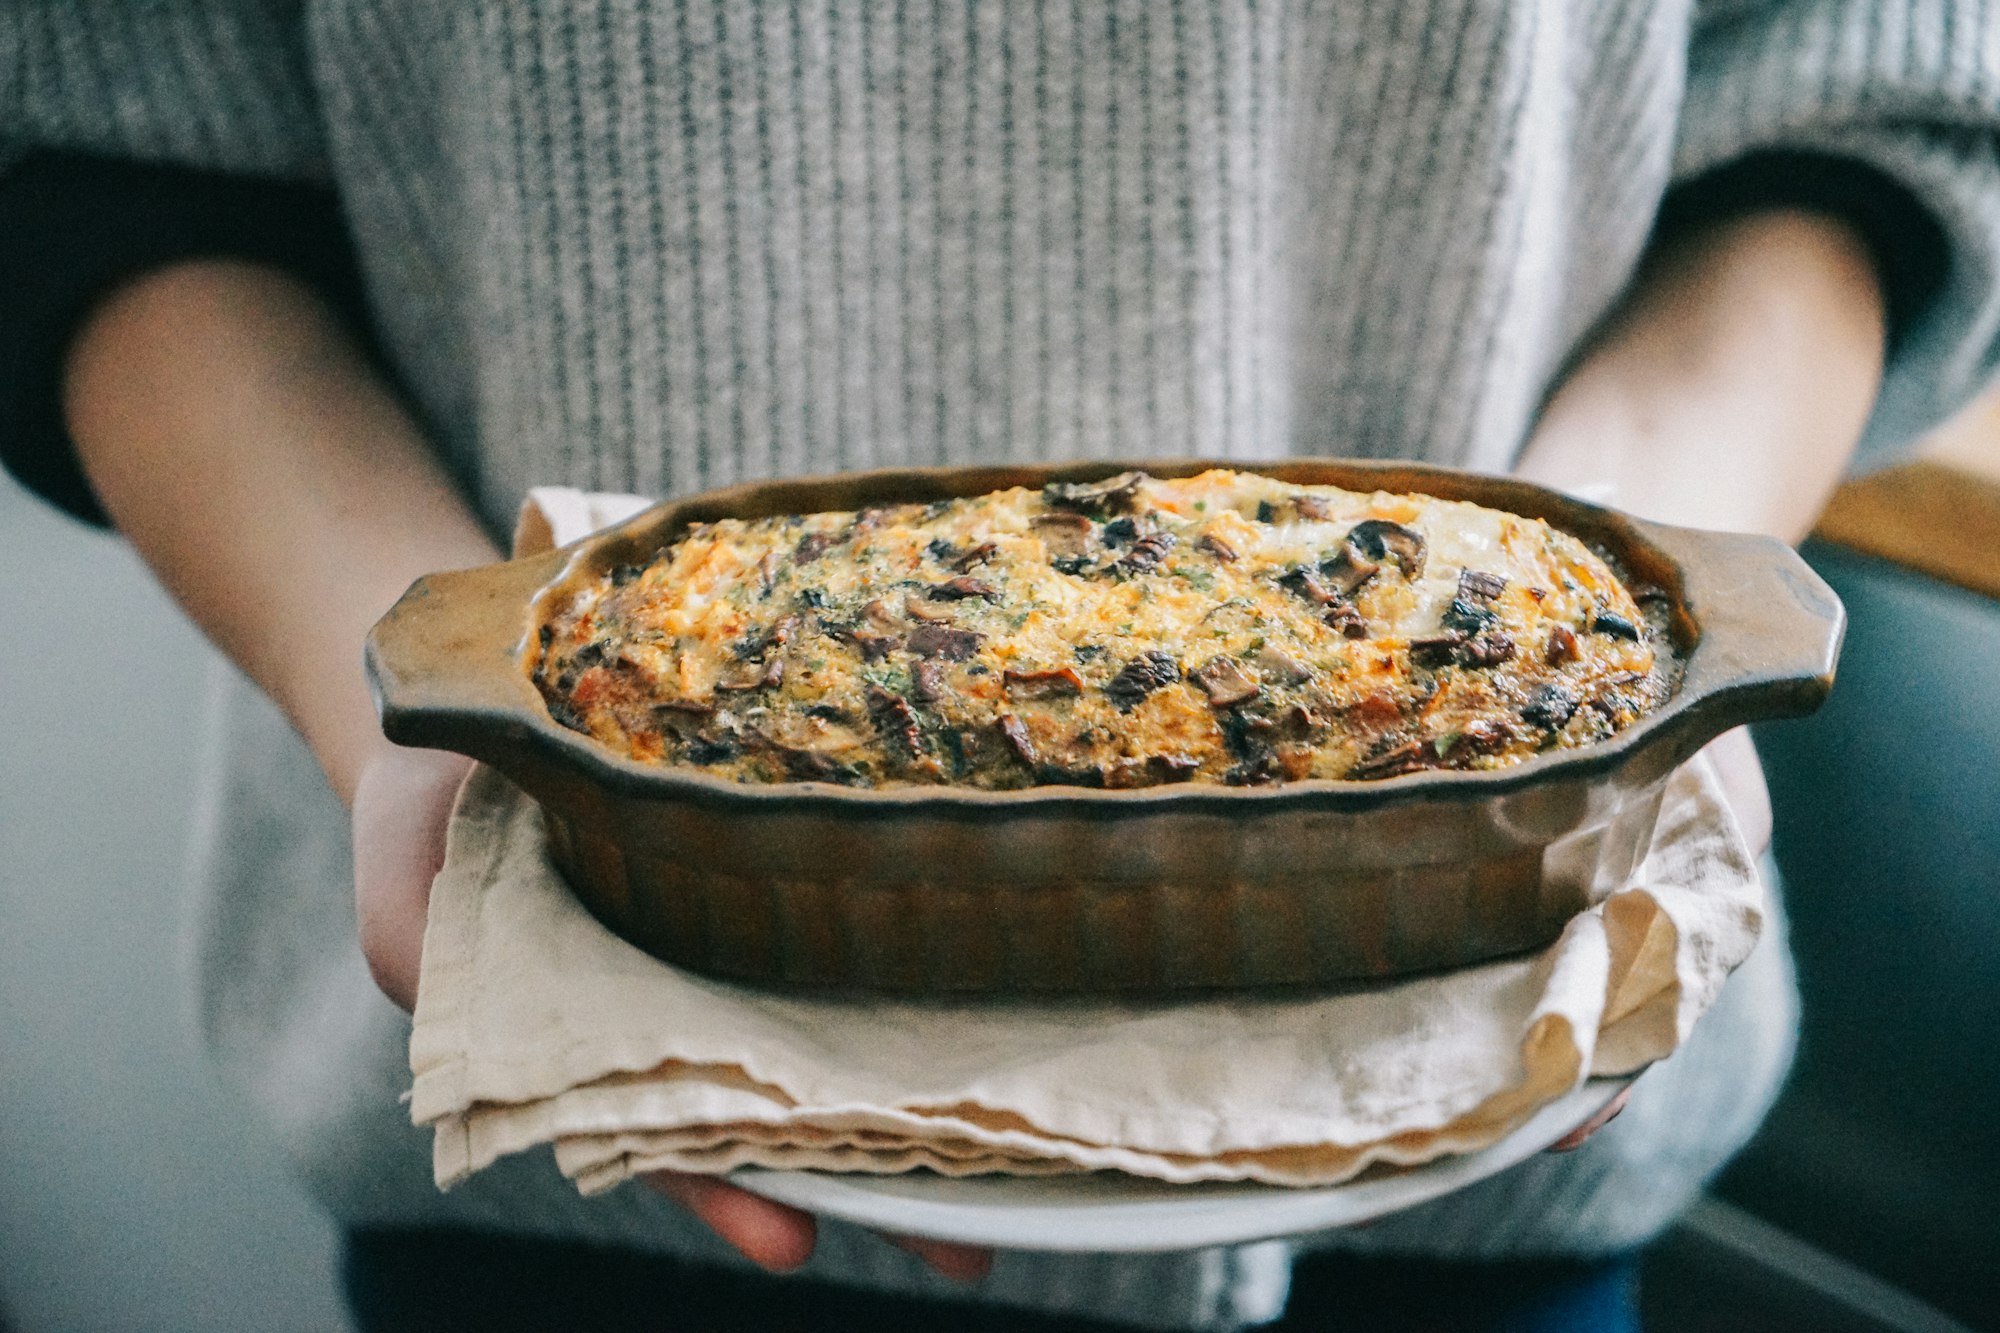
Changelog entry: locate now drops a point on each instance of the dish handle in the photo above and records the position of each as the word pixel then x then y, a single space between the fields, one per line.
pixel 446 663
pixel 1771 628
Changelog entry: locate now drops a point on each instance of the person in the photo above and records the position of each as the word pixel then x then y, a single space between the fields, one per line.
pixel 303 297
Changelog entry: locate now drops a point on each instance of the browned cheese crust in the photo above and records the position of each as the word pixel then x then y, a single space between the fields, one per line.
pixel 1222 628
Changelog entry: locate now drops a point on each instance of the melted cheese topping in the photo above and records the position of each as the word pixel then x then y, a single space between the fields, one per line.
pixel 1225 627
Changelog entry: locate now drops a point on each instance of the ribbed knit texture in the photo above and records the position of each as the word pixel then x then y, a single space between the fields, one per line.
pixel 665 246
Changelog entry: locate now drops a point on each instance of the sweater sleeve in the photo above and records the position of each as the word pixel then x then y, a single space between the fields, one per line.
pixel 133 136
pixel 1886 112
pixel 73 228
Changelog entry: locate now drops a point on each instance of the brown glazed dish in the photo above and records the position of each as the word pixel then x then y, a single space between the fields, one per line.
pixel 1069 890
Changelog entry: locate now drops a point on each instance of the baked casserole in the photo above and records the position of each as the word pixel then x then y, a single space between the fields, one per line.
pixel 1224 627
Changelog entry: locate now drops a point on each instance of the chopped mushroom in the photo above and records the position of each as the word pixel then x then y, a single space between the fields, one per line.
pixel 961 589
pixel 1551 707
pixel 1216 547
pixel 1147 554
pixel 1477 585
pixel 1484 649
pixel 1064 534
pixel 1018 740
pixel 1304 581
pixel 1312 507
pixel 1346 617
pixel 872 647
pixel 766 677
pixel 1139 678
pixel 978 555
pixel 1276 662
pixel 1225 683
pixel 757 647
pixel 1112 495
pixel 894 718
pixel 927 682
pixel 1379 539
pixel 954 645
pixel 1347 569
pixel 1407 757
pixel 1043 684
pixel 1617 626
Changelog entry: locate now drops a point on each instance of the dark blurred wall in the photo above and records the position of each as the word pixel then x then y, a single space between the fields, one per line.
pixel 1883 1148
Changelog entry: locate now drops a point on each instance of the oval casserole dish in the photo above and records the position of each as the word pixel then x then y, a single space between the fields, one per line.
pixel 1071 890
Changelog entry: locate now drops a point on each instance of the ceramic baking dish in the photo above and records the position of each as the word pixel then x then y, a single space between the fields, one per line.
pixel 1069 890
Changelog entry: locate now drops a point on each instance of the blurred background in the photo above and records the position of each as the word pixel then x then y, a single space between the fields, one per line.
pixel 137 1193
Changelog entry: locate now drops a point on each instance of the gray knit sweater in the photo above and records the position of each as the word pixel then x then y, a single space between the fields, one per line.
pixel 663 246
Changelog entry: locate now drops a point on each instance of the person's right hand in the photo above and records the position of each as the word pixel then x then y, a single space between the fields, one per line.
pixel 402 806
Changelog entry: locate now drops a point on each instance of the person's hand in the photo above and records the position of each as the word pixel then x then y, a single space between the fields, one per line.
pixel 402 805
pixel 780 1238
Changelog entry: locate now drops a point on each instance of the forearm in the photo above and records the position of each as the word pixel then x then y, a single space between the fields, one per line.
pixel 269 477
pixel 1730 388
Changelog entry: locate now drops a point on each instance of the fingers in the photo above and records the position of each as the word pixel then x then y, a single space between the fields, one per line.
pixel 779 1238
pixel 960 1263
pixel 1575 1139
pixel 402 804
pixel 768 1234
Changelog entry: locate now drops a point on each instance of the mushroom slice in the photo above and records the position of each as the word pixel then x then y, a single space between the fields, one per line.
pixel 1043 684
pixel 1346 570
pixel 1110 496
pixel 1216 547
pixel 962 589
pixel 1346 617
pixel 764 676
pixel 881 615
pixel 1225 682
pixel 927 683
pixel 1379 540
pixel 896 720
pixel 1306 582
pixel 1139 678
pixel 978 555
pixel 1617 626
pixel 1064 534
pixel 953 645
pixel 1476 585
pixel 1018 740
pixel 1147 554
pixel 1408 757
pixel 1550 706
pixel 1312 508
pixel 1275 662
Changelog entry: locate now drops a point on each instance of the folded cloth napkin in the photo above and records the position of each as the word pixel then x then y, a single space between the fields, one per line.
pixel 536 1025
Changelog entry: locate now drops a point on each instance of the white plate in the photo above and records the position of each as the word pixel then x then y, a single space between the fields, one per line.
pixel 1107 1211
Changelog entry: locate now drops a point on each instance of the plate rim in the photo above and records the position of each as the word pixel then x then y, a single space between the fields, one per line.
pixel 1219 1214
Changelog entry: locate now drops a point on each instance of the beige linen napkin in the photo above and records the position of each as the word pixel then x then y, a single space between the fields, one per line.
pixel 536 1025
